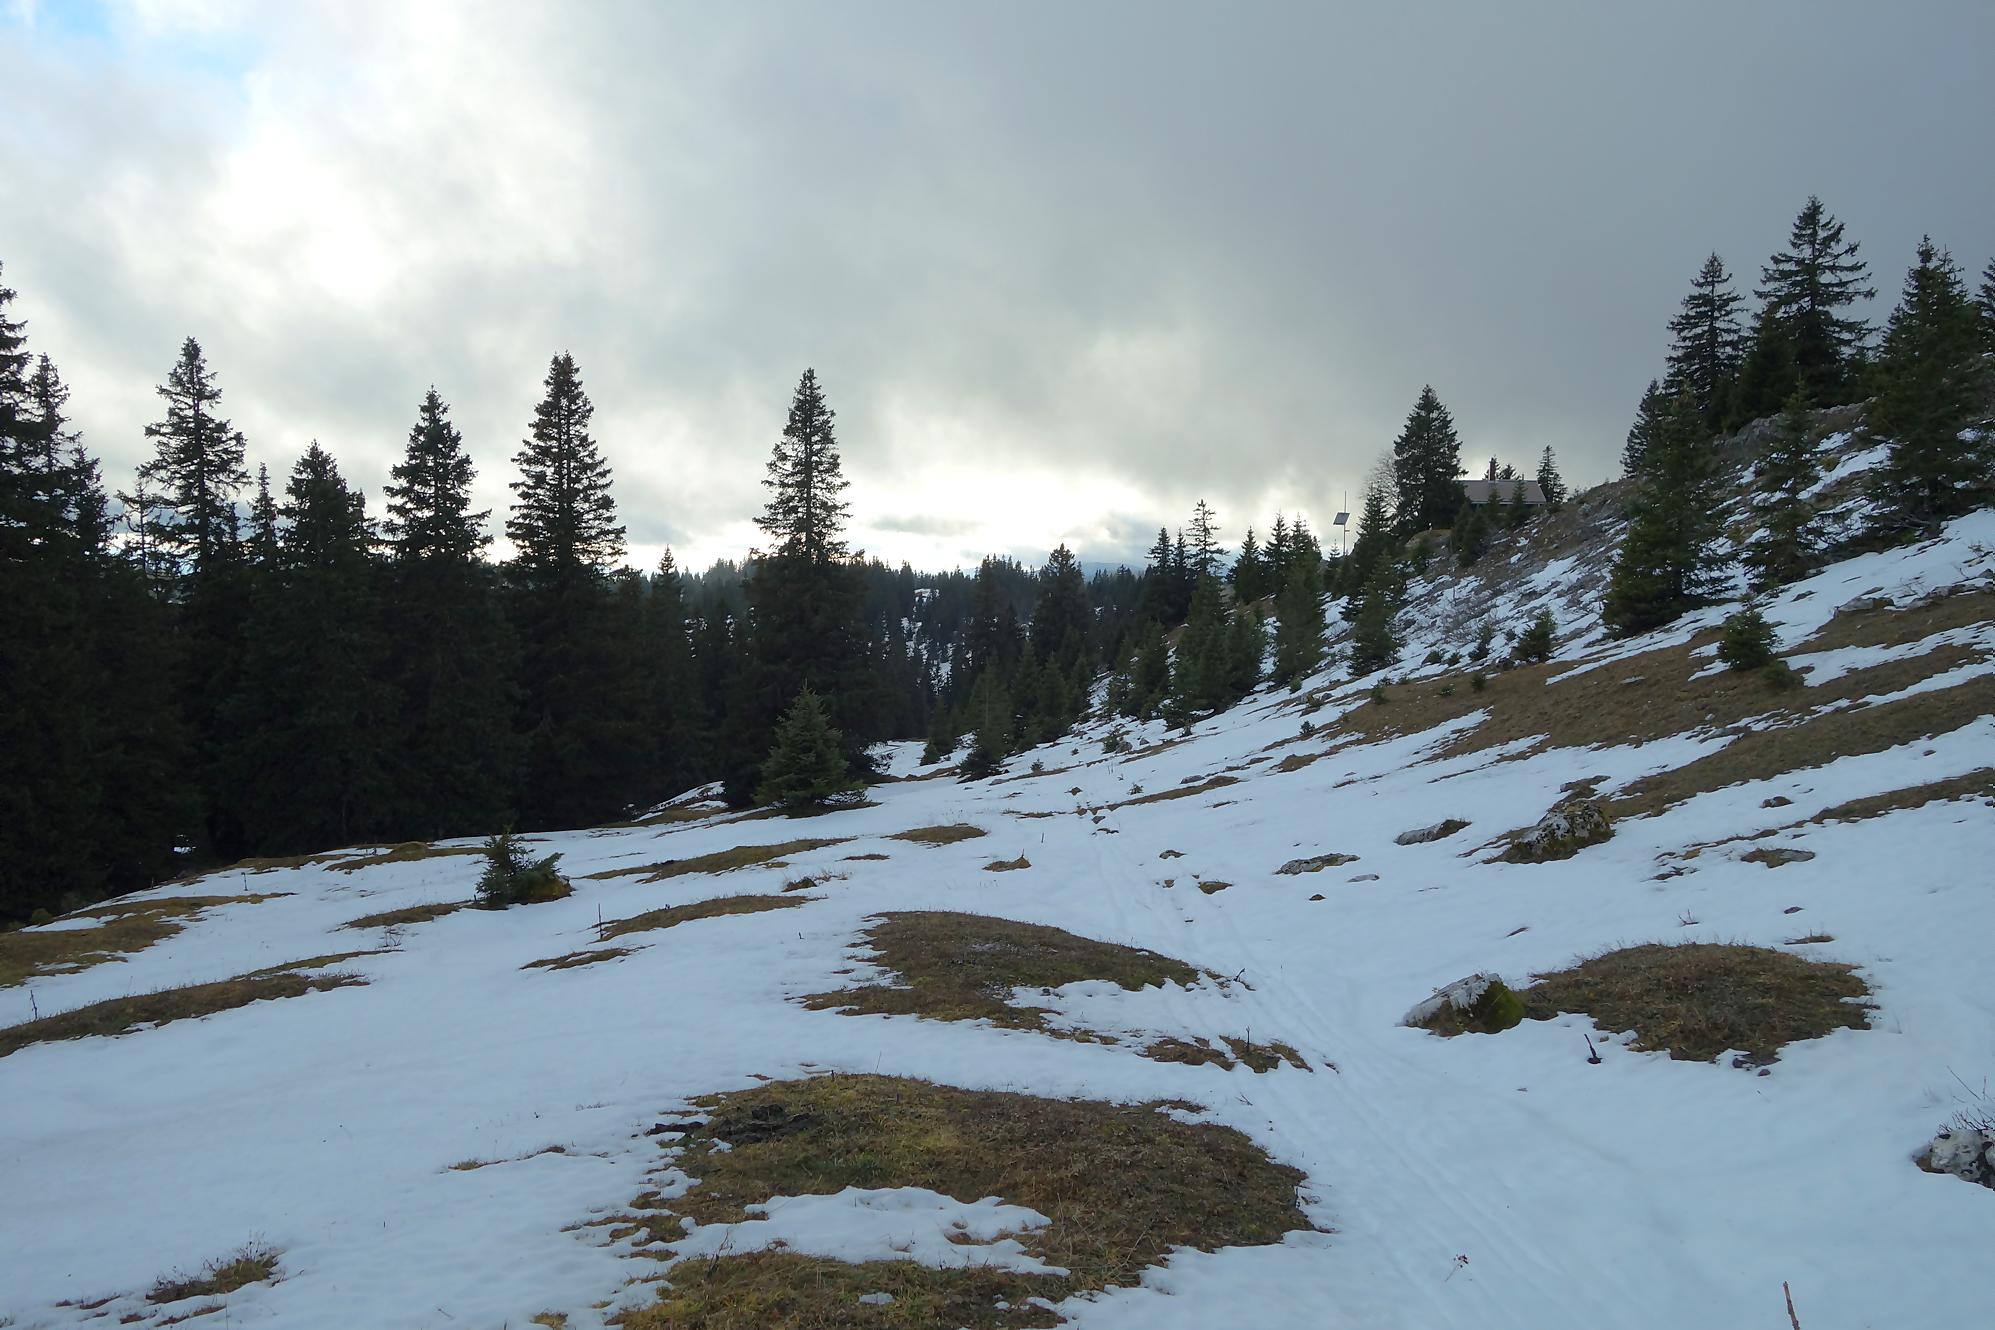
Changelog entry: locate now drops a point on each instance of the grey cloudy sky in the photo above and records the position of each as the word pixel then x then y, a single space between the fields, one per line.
pixel 1063 269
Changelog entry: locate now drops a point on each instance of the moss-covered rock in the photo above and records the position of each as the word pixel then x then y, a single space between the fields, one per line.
pixel 1476 1004
pixel 1570 827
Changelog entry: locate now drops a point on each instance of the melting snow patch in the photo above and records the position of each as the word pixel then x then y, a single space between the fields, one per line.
pixel 882 1224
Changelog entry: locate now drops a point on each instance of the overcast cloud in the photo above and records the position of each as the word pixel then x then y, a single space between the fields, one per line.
pixel 1062 269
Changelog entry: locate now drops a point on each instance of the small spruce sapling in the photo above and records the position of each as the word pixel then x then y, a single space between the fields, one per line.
pixel 1748 643
pixel 511 878
pixel 1534 644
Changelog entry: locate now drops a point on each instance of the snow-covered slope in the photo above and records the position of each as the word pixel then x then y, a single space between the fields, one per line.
pixel 1481 1181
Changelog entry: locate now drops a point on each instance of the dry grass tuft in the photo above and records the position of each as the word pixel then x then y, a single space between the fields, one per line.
pixel 1007 865
pixel 964 967
pixel 116 1016
pixel 720 861
pixel 1121 1186
pixel 254 1264
pixel 29 953
pixel 579 958
pixel 946 835
pixel 1212 886
pixel 408 914
pixel 1700 999
pixel 674 915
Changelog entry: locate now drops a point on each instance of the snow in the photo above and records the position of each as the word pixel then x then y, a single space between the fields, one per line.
pixel 1473 1182
pixel 882 1224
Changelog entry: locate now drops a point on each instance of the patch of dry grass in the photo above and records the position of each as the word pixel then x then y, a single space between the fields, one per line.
pixel 1007 865
pixel 674 915
pixel 1699 999
pixel 574 959
pixel 720 861
pixel 1199 1052
pixel 945 835
pixel 126 928
pixel 115 1016
pixel 1974 785
pixel 407 852
pixel 1206 786
pixel 408 914
pixel 254 1264
pixel 1121 1186
pixel 963 967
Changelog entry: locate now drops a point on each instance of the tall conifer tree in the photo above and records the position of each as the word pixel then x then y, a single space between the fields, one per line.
pixel 1808 289
pixel 1706 342
pixel 455 756
pixel 1931 382
pixel 1426 461
pixel 1669 561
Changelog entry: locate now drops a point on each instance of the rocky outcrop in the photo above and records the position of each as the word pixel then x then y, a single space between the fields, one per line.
pixel 1569 828
pixel 1476 1004
pixel 1314 864
pixel 1965 1152
pixel 1422 835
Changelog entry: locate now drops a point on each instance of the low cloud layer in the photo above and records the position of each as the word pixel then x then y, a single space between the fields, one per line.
pixel 1062 270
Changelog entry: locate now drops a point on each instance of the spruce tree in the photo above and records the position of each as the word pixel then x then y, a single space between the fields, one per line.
pixel 1373 547
pixel 1250 575
pixel 1200 669
pixel 806 624
pixel 1642 434
pixel 1202 549
pixel 582 755
pixel 453 753
pixel 1806 289
pixel 1426 461
pixel 1298 628
pixel 1549 482
pixel 1375 637
pixel 666 673
pixel 1471 535
pixel 1150 679
pixel 806 764
pixel 1767 376
pixel 192 530
pixel 994 732
pixel 1706 343
pixel 1668 562
pixel 1246 652
pixel 1061 615
pixel 1931 381
pixel 1785 545
pixel 307 764
pixel 1984 309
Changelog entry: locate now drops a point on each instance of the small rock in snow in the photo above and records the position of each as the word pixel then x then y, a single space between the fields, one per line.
pixel 1314 864
pixel 875 1299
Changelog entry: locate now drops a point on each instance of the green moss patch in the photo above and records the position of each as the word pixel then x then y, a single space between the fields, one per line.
pixel 1122 1186
pixel 721 861
pixel 1699 999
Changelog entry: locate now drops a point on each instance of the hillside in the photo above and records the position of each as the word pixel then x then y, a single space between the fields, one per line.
pixel 456 1117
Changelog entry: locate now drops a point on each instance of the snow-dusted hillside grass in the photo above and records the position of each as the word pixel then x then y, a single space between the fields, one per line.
pixel 1478 1181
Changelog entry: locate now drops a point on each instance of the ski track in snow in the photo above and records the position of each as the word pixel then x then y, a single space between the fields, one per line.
pixel 1641 1192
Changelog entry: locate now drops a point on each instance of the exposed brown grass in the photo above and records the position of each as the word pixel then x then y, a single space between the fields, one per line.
pixel 1699 999
pixel 1761 754
pixel 1974 785
pixel 1007 865
pixel 1876 625
pixel 945 835
pixel 720 861
pixel 254 1264
pixel 1122 1186
pixel 674 915
pixel 115 1016
pixel 1212 886
pixel 408 914
pixel 1200 1052
pixel 407 852
pixel 963 967
pixel 574 959
pixel 125 928
pixel 1206 786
